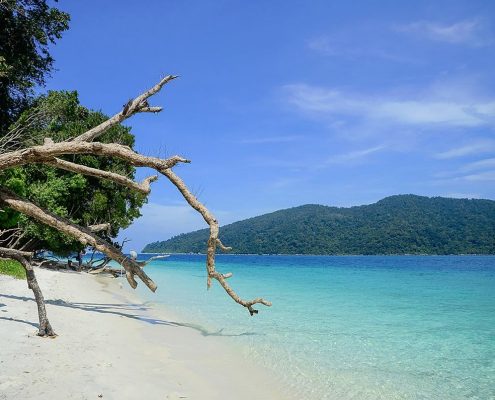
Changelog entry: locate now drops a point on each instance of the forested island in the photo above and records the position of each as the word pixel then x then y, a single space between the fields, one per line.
pixel 401 224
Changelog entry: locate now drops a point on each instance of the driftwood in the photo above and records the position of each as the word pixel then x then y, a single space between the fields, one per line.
pixel 48 153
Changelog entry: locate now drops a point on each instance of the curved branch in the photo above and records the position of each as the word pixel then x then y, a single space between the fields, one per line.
pixel 99 227
pixel 139 104
pixel 144 263
pixel 46 153
pixel 83 235
pixel 82 144
pixel 213 241
pixel 13 253
pixel 143 187
pixel 222 246
pixel 162 166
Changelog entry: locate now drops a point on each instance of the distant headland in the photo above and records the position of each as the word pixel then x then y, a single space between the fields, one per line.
pixel 401 224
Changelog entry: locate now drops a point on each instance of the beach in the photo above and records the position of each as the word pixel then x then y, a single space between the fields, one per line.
pixel 111 345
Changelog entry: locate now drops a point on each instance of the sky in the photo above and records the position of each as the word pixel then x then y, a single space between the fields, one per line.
pixel 284 103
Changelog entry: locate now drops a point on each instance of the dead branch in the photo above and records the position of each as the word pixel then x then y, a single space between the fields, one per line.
pixel 143 187
pixel 47 152
pixel 144 263
pixel 139 104
pixel 83 235
pixel 99 227
pixel 83 144
pixel 11 253
pixel 9 237
pixel 21 133
pixel 213 241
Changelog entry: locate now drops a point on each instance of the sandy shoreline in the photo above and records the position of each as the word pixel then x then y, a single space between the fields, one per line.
pixel 113 345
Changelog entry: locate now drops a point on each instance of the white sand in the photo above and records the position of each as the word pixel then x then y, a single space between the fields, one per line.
pixel 112 346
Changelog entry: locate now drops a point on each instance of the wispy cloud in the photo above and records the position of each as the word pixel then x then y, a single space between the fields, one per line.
pixel 285 182
pixel 460 195
pixel 482 176
pixel 160 222
pixel 271 139
pixel 477 165
pixel 324 45
pixel 349 46
pixel 398 110
pixel 474 148
pixel 353 156
pixel 471 32
pixel 457 177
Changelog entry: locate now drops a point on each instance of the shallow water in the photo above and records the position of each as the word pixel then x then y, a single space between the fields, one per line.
pixel 350 327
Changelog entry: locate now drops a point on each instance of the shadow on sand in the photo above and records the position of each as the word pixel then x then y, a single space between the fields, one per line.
pixel 127 310
pixel 21 321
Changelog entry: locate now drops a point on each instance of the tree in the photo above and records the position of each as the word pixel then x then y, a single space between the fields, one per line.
pixel 27 27
pixel 85 200
pixel 49 152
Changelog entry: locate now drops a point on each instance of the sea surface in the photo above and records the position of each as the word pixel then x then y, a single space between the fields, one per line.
pixel 349 327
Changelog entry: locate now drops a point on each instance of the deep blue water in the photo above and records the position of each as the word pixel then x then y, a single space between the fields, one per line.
pixel 350 327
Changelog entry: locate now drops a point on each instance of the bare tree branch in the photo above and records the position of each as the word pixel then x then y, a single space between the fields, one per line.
pixel 139 104
pixel 144 263
pixel 213 241
pixel 83 144
pixel 99 227
pixel 83 235
pixel 21 133
pixel 11 253
pixel 143 187
pixel 46 153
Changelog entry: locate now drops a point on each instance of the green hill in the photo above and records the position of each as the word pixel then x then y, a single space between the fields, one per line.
pixel 402 224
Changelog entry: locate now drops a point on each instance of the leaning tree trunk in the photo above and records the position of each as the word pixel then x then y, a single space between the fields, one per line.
pixel 45 328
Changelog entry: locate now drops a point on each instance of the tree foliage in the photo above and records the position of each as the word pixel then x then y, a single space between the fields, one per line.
pixel 27 28
pixel 404 224
pixel 85 200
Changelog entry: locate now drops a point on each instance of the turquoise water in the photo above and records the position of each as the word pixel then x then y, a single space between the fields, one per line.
pixel 355 327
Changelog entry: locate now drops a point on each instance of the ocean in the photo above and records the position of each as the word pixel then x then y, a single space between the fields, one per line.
pixel 349 327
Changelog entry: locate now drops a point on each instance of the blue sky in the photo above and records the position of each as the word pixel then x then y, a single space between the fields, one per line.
pixel 283 103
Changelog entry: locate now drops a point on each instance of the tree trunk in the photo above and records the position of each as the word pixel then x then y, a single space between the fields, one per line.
pixel 45 328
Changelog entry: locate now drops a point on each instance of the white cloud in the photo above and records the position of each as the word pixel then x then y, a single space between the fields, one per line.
pixel 284 182
pixel 427 110
pixel 271 139
pixel 160 222
pixel 474 148
pixel 486 176
pixel 477 165
pixel 470 32
pixel 458 195
pixel 482 176
pixel 350 45
pixel 324 45
pixel 353 156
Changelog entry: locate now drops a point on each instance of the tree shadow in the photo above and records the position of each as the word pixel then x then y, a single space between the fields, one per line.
pixel 21 321
pixel 120 310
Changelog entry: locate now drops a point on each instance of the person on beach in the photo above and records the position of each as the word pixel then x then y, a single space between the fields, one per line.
pixel 79 258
